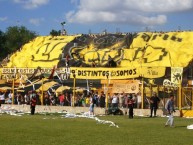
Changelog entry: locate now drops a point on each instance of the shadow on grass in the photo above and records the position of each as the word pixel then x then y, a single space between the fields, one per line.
pixel 145 117
pixel 182 126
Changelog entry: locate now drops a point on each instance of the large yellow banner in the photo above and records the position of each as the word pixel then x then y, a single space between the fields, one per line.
pixel 115 73
pixel 104 73
pixel 126 50
pixel 88 73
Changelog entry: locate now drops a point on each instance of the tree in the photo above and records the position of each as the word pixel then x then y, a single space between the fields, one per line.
pixel 55 32
pixel 2 45
pixel 17 36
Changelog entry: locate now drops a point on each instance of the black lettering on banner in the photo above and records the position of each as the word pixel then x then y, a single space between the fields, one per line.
pixel 73 71
pixel 24 71
pixel 19 71
pixel 84 73
pixel 121 73
pixel 5 71
pixel 6 76
pixel 134 71
pixel 79 73
pixel 130 72
pixel 100 72
pixel 28 71
pixel 104 73
pixel 107 73
pixel 112 73
pixel 117 73
pixel 125 72
pixel 89 73
pixel 95 73
pixel 13 70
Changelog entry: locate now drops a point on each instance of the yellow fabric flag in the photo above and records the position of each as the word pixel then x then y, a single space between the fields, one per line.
pixel 176 74
pixel 144 49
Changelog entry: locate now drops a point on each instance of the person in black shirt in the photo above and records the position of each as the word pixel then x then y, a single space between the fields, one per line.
pixel 154 101
pixel 130 105
pixel 102 100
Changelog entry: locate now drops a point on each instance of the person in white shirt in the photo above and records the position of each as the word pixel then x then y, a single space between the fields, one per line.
pixel 10 95
pixel 2 98
pixel 91 108
pixel 139 100
pixel 121 100
pixel 115 101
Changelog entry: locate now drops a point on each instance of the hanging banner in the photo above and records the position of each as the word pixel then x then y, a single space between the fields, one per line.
pixel 132 87
pixel 153 72
pixel 176 74
pixel 104 73
pixel 90 73
pixel 9 73
pixel 114 73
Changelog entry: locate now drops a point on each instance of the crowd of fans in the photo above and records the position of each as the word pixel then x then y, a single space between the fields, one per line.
pixel 65 98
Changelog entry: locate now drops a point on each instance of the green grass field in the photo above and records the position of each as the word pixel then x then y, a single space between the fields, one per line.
pixel 54 130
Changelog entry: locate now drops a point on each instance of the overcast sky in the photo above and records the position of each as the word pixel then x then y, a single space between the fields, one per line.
pixel 81 16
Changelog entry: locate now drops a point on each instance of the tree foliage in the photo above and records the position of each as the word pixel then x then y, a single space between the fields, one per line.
pixel 14 38
pixel 2 45
pixel 18 36
pixel 55 32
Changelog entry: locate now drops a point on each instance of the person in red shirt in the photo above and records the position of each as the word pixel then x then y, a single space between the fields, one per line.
pixel 33 104
pixel 62 99
pixel 67 60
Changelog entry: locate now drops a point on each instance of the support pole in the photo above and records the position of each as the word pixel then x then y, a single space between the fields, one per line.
pixel 106 100
pixel 192 101
pixel 42 95
pixel 180 95
pixel 142 94
pixel 106 93
pixel 151 90
pixel 87 87
pixel 74 88
pixel 13 91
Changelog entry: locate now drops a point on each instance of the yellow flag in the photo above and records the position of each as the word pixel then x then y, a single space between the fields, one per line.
pixel 176 74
